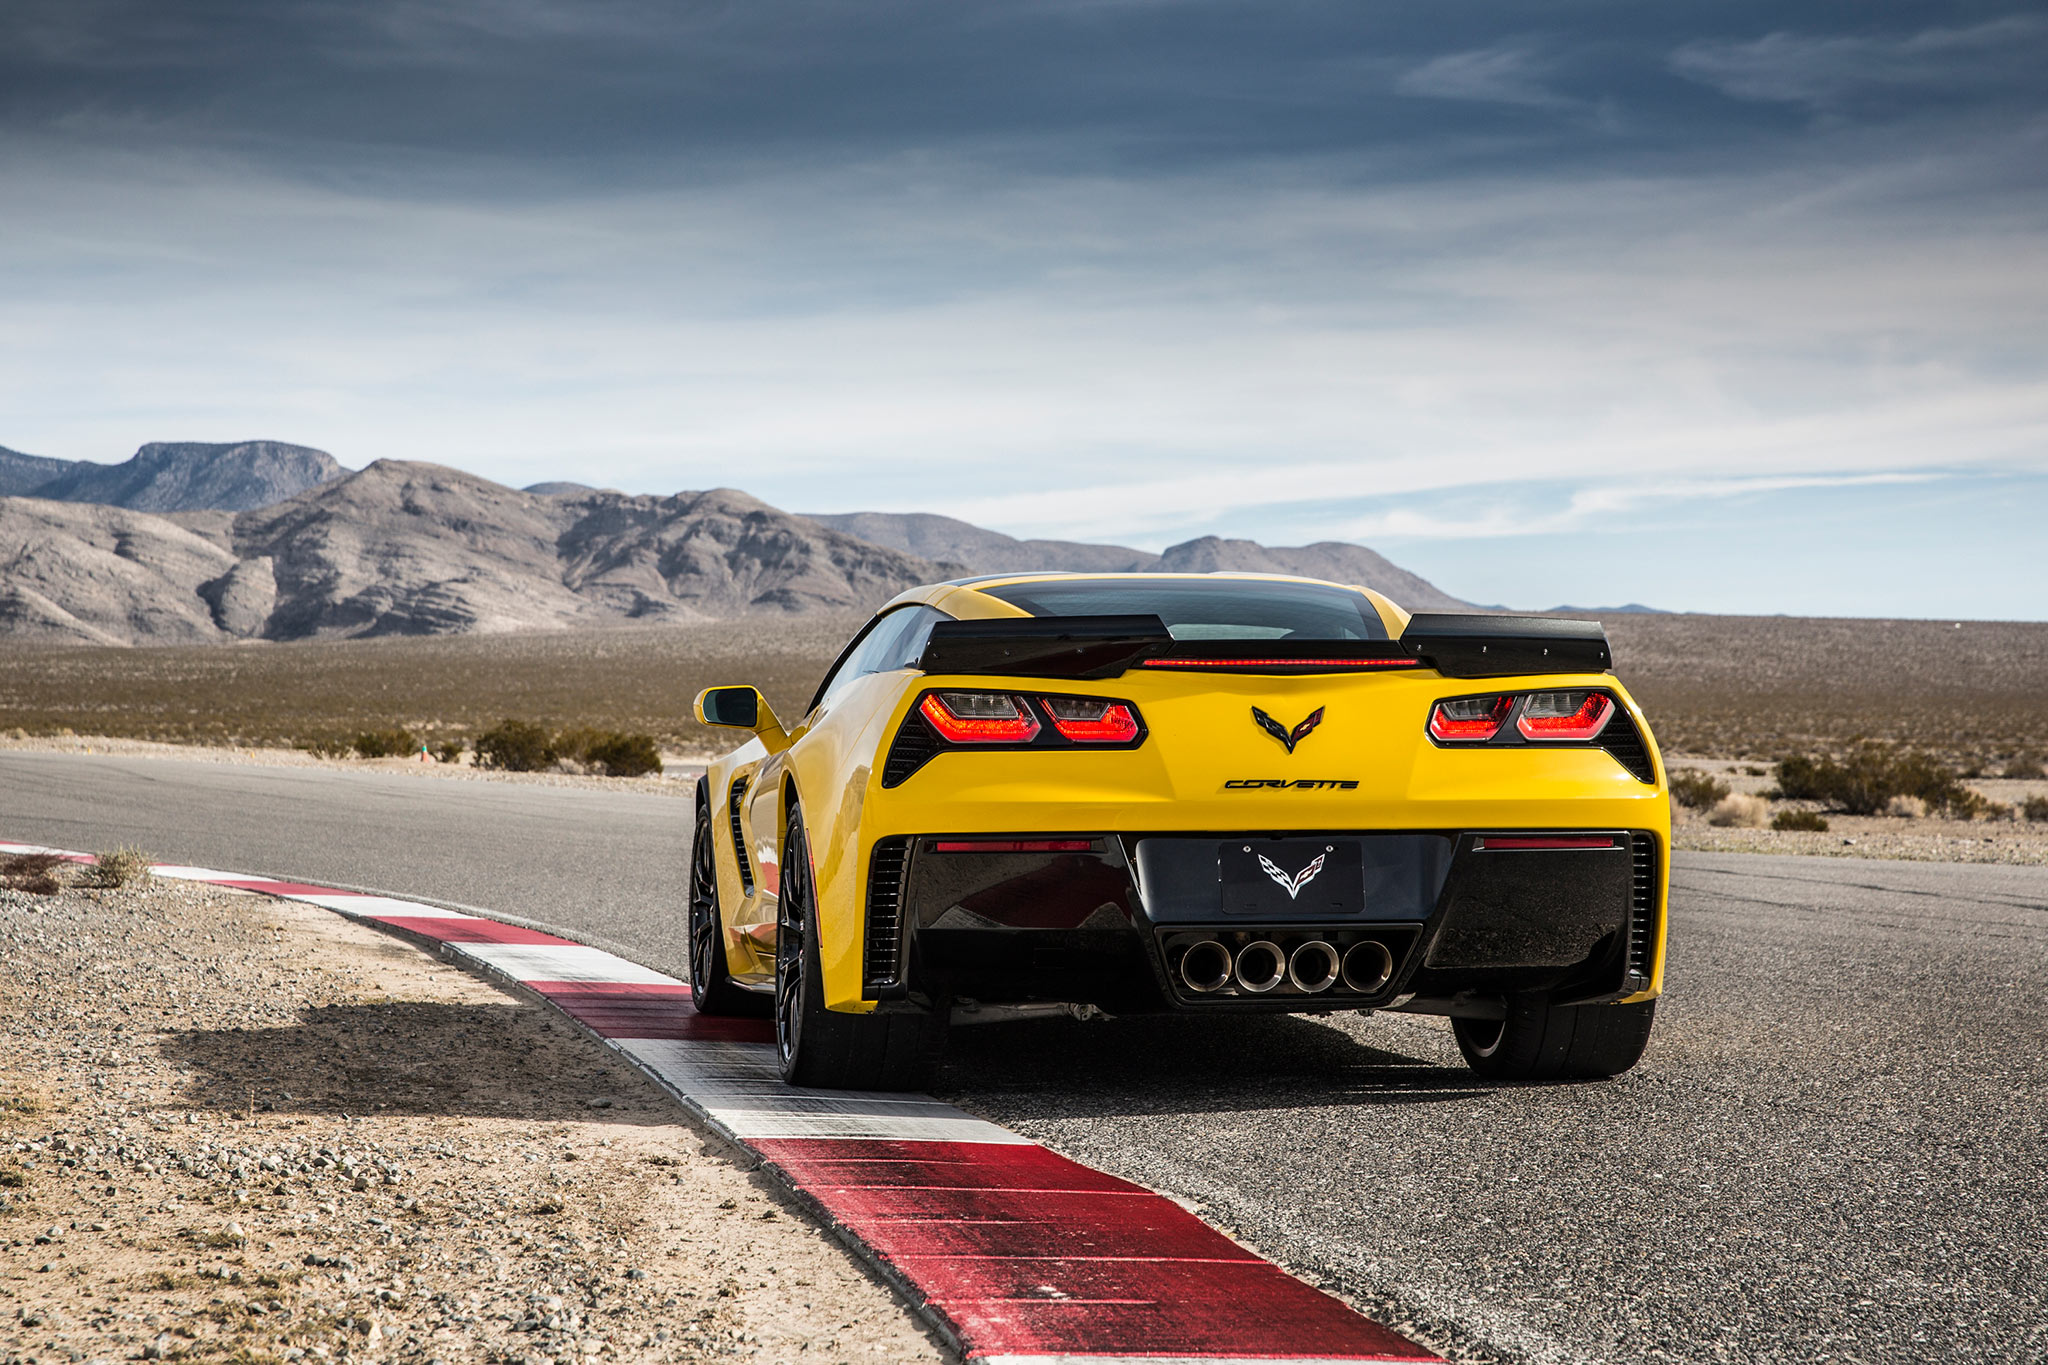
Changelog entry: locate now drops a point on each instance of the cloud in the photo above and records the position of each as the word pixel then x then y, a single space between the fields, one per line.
pixel 1593 507
pixel 1505 74
pixel 1839 74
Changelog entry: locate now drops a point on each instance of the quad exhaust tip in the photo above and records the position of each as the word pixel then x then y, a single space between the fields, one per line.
pixel 1313 967
pixel 1260 967
pixel 1368 966
pixel 1205 966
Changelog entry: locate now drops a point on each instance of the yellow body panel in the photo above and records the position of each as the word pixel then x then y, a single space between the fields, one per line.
pixel 1199 738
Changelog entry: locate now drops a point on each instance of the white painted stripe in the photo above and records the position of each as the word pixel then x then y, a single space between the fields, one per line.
pixel 736 1085
pixel 561 962
pixel 39 848
pixel 176 872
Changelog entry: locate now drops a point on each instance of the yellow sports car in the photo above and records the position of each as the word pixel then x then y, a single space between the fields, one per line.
pixel 1122 793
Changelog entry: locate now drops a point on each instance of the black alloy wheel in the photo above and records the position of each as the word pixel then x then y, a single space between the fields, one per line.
pixel 820 1047
pixel 792 961
pixel 712 989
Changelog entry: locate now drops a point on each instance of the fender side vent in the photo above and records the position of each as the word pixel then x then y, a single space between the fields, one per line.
pixel 1642 919
pixel 915 745
pixel 739 839
pixel 882 954
pixel 1625 742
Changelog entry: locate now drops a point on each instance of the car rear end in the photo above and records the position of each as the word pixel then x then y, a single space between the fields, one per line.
pixel 1115 811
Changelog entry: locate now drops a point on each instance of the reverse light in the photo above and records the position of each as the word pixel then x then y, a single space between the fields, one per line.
pixel 980 717
pixel 1091 720
pixel 1470 719
pixel 1564 715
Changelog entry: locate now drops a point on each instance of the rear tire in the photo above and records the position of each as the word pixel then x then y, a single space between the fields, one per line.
pixel 820 1047
pixel 1539 1041
pixel 712 989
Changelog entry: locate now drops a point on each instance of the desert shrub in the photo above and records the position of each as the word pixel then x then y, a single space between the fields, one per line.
pixel 1739 811
pixel 2025 767
pixel 1804 821
pixel 515 746
pixel 1865 782
pixel 1696 789
pixel 449 751
pixel 123 867
pixel 1906 808
pixel 326 746
pixel 2035 808
pixel 624 755
pixel 392 743
pixel 35 873
pixel 616 753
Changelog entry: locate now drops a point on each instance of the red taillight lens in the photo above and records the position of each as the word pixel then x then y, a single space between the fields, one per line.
pixel 980 717
pixel 1564 715
pixel 1087 720
pixel 1470 718
pixel 1013 846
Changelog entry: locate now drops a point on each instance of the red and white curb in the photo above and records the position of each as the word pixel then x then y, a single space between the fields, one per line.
pixel 1017 1254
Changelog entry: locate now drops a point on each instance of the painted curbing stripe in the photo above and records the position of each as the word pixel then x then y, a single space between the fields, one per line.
pixel 1018 1254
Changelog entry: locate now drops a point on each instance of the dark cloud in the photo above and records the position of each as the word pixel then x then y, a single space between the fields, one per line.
pixel 596 88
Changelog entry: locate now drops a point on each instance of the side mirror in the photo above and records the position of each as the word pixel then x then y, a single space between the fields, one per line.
pixel 742 708
pixel 739 707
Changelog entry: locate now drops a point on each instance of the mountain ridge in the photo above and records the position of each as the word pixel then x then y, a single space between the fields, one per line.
pixel 411 548
pixel 175 476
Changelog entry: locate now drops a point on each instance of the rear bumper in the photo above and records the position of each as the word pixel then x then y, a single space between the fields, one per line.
pixel 1464 918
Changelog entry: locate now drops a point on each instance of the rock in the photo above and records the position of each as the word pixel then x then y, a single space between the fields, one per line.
pixel 167 476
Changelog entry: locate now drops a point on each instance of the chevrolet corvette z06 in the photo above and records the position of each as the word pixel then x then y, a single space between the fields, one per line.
pixel 1205 793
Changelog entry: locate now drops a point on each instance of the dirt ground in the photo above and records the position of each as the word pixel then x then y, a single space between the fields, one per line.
pixel 245 1130
pixel 2008 839
pixel 677 778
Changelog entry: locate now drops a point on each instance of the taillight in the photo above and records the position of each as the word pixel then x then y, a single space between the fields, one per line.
pixel 1564 715
pixel 980 717
pixel 1472 719
pixel 1090 720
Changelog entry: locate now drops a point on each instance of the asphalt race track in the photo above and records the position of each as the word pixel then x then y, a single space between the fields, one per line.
pixel 1835 1150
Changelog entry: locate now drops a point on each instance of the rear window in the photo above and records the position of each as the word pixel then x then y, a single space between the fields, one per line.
pixel 1208 609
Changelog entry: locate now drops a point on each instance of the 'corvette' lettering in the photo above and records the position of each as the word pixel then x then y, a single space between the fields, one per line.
pixel 1293 784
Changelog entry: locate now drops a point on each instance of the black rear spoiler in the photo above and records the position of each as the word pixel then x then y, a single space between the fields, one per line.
pixel 1460 646
pixel 1084 647
pixel 1044 646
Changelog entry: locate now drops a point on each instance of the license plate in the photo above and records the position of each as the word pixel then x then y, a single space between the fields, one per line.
pixel 1272 878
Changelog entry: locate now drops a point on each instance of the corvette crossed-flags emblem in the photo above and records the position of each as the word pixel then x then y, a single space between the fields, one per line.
pixel 1288 737
pixel 1292 883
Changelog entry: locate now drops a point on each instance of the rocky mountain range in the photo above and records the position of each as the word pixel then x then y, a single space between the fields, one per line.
pixel 175 476
pixel 405 548
pixel 984 551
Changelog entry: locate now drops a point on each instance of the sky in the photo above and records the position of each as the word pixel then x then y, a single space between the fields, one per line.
pixel 1735 307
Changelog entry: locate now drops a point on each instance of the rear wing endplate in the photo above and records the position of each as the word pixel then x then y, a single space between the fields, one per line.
pixel 1044 646
pixel 1472 646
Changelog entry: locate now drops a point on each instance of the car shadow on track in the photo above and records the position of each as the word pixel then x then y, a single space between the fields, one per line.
pixel 1179 1065
pixel 414 1057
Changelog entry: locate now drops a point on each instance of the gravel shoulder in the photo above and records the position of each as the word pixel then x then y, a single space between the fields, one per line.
pixel 2008 840
pixel 678 777
pixel 246 1130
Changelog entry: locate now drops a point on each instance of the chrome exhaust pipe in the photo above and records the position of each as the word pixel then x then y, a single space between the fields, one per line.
pixel 1312 967
pixel 1368 966
pixel 1205 966
pixel 1260 967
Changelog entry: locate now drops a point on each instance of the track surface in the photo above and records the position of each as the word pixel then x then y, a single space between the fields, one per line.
pixel 1834 1151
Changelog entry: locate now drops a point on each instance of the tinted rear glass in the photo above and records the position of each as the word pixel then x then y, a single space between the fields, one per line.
pixel 1208 609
